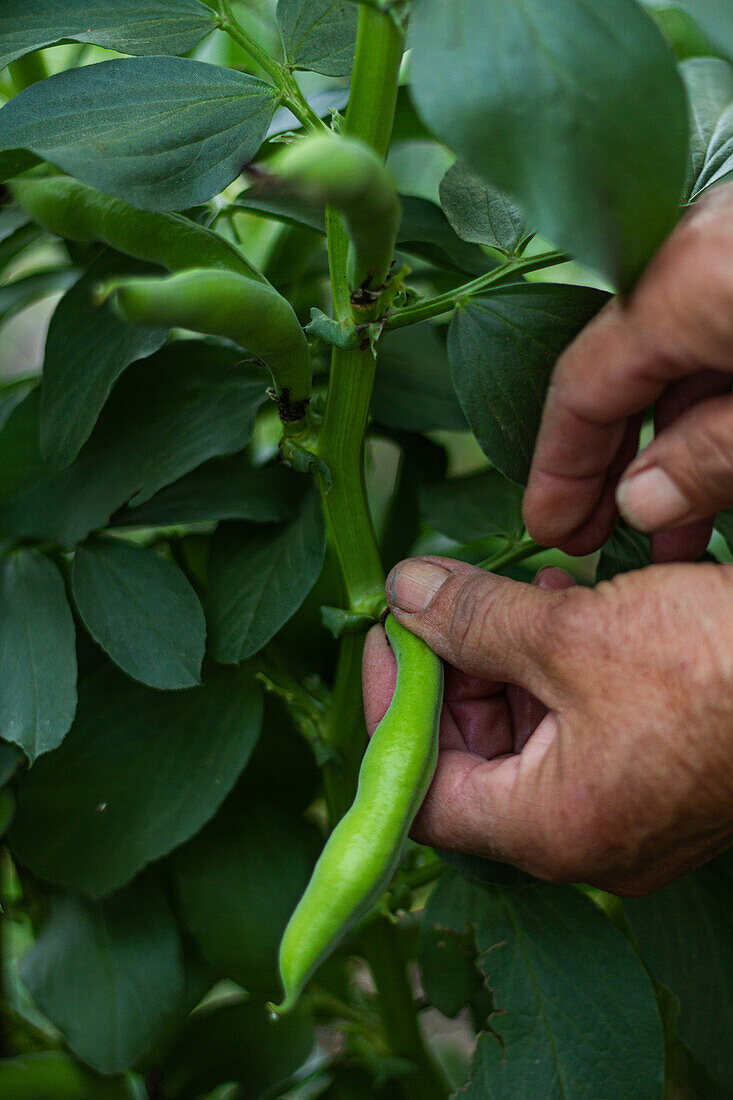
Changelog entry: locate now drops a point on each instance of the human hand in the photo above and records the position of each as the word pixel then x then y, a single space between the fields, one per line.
pixel 671 343
pixel 587 734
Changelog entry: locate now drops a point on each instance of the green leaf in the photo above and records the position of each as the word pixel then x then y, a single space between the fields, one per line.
pixel 259 577
pixel 239 881
pixel 164 133
pixel 685 934
pixel 319 35
pixel 481 214
pixel 128 26
pixel 575 109
pixel 12 244
pixel 713 16
pixel 474 507
pixel 237 1040
pixel 426 232
pixel 87 349
pixel 140 772
pixel 576 1011
pixel 55 1076
pixel 413 387
pixel 718 166
pixel 709 84
pixel 37 654
pixel 191 401
pixel 142 611
pixel 224 488
pixel 502 350
pixel 27 289
pixel 626 549
pixel 724 524
pixel 109 974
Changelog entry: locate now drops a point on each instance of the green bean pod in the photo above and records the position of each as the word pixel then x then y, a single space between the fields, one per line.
pixel 70 209
pixel 346 174
pixel 365 848
pixel 221 303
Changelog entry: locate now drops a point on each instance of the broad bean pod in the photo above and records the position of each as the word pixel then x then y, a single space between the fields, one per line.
pixel 214 288
pixel 365 848
pixel 224 304
pixel 346 174
pixel 73 210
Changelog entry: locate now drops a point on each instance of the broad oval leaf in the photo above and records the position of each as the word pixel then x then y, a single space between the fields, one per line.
pixel 224 488
pixel 191 401
pixel 87 349
pixel 709 84
pixel 480 213
pixel 685 935
pixel 162 133
pixel 140 772
pixel 259 576
pixel 576 1012
pixel 319 35
pixel 142 611
pixel 473 507
pixel 128 26
pixel 238 883
pixel 109 974
pixel 413 387
pixel 37 654
pixel 574 108
pixel 502 350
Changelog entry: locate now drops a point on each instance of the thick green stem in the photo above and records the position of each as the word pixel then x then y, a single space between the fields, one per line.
pixel 383 950
pixel 444 303
pixel 511 556
pixel 341 445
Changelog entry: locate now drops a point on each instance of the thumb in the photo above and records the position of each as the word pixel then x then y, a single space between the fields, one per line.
pixel 686 474
pixel 487 626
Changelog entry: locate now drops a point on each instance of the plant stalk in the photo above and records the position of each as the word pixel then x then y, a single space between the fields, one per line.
pixel 511 556
pixel 290 94
pixel 444 303
pixel 382 949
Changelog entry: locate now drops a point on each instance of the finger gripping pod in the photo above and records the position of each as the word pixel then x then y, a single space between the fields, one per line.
pixel 365 848
pixel 348 175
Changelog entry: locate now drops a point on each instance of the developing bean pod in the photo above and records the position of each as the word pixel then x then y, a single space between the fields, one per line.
pixel 221 303
pixel 365 848
pixel 346 174
pixel 73 210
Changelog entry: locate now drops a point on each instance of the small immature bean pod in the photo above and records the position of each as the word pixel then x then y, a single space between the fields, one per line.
pixel 221 303
pixel 346 174
pixel 365 848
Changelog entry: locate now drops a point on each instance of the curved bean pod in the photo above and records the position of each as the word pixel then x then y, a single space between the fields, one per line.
pixel 348 175
pixel 221 303
pixel 365 848
pixel 71 209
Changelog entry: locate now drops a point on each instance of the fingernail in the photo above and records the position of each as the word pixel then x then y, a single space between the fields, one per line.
pixel 413 585
pixel 650 500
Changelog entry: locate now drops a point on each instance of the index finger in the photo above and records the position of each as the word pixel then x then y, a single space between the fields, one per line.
pixel 610 372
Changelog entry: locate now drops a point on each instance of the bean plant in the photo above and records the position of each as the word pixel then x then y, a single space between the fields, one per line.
pixel 283 285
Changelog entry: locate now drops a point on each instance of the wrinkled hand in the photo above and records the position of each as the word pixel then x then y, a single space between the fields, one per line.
pixel 587 734
pixel 672 344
